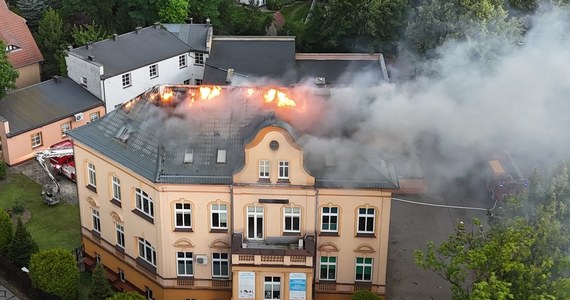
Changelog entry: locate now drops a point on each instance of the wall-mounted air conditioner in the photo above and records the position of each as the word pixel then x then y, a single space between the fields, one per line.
pixel 78 117
pixel 202 259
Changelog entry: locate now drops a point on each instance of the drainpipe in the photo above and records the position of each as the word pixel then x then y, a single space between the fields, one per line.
pixel 232 210
pixel 316 239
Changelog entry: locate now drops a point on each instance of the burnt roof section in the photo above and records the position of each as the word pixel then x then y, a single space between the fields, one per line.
pixel 336 68
pixel 15 32
pixel 194 35
pixel 152 139
pixel 44 103
pixel 132 50
pixel 263 57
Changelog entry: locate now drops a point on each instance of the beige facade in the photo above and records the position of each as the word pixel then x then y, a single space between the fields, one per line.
pixel 271 234
pixel 23 146
pixel 28 75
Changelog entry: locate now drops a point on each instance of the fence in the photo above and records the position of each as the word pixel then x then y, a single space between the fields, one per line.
pixel 21 281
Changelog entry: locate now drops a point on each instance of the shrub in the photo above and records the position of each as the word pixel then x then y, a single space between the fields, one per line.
pixel 100 288
pixel 22 246
pixel 55 272
pixel 127 296
pixel 365 295
pixel 2 170
pixel 6 231
pixel 274 4
pixel 18 207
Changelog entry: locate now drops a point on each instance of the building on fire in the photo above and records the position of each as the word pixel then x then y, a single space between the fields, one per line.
pixel 202 192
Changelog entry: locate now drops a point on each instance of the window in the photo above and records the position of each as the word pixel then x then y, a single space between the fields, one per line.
pixel 255 222
pixel 199 58
pixel 36 139
pixel 272 288
pixel 328 268
pixel 292 219
pixel 219 216
pixel 198 81
pixel 189 156
pixel 153 71
pixel 116 189
pixel 363 269
pixel 126 80
pixel 365 220
pixel 183 212
pixel 144 203
pixel 187 81
pixel 329 219
pixel 96 220
pixel 182 61
pixel 149 293
pixel 221 156
pixel 64 127
pixel 91 175
pixel 184 264
pixel 10 48
pixel 283 170
pixel 120 236
pixel 83 81
pixel 93 116
pixel 220 265
pixel 147 252
pixel 122 275
pixel 263 169
pixel 98 258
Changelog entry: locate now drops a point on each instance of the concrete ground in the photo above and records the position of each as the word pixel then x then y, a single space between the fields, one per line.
pixel 8 292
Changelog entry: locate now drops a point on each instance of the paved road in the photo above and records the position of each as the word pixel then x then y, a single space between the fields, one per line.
pixel 8 292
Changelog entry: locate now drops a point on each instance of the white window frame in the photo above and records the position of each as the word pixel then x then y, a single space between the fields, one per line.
pixel 283 170
pixel 257 212
pixel 292 213
pixel 222 156
pixel 121 275
pixel 274 282
pixel 120 230
pixel 36 139
pixel 365 216
pixel 264 168
pixel 327 265
pixel 83 81
pixel 184 210
pixel 199 59
pixel 126 80
pixel 116 183
pixel 153 71
pixel 186 258
pixel 216 209
pixel 148 293
pixel 96 220
pixel 221 259
pixel 364 265
pixel 91 175
pixel 182 61
pixel 329 215
pixel 147 252
pixel 144 203
pixel 94 116
pixel 64 127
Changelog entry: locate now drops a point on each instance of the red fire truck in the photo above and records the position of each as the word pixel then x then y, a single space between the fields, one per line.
pixel 60 157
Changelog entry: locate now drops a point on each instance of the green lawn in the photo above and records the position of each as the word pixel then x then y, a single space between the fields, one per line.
pixel 84 285
pixel 296 11
pixel 50 226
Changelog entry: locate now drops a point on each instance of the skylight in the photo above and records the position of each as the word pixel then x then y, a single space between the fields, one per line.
pixel 124 134
pixel 221 156
pixel 189 156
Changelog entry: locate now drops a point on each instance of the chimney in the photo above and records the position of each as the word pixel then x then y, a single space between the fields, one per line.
pixel 156 25
pixel 115 37
pixel 191 20
pixel 320 81
pixel 91 57
pixel 138 29
pixel 229 76
pixel 89 46
pixel 69 47
pixel 56 78
pixel 208 21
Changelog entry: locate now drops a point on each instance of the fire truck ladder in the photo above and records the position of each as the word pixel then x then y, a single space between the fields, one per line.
pixel 42 155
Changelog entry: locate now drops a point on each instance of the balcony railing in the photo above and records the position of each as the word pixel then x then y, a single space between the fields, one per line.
pixel 273 251
pixel 348 288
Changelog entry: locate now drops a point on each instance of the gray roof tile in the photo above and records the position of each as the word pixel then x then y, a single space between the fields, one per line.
pixel 195 35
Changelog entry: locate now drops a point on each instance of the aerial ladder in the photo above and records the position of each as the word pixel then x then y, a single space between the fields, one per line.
pixel 51 192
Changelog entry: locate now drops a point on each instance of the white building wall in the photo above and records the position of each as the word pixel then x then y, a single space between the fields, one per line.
pixel 92 71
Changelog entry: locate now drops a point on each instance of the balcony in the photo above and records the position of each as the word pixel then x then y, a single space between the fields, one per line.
pixel 276 251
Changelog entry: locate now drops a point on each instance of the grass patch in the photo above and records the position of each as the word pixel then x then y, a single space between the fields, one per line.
pixel 51 226
pixel 84 285
pixel 296 11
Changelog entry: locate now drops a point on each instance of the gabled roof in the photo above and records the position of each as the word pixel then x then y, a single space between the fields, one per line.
pixel 337 68
pixel 45 103
pixel 270 57
pixel 194 35
pixel 14 32
pixel 132 50
pixel 152 135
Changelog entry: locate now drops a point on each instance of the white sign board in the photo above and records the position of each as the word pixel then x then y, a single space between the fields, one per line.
pixel 246 286
pixel 297 286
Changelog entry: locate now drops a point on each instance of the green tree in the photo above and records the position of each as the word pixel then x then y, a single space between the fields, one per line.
pixel 364 295
pixel 127 296
pixel 51 40
pixel 172 11
pixel 22 246
pixel 32 10
pixel 200 10
pixel 6 231
pixel 100 288
pixel 83 34
pixel 8 75
pixel 54 271
pixel 2 163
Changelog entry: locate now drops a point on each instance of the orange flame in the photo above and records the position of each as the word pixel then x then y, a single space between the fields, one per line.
pixel 250 92
pixel 166 96
pixel 208 93
pixel 282 99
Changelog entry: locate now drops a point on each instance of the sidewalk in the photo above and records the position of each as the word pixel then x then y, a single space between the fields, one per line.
pixel 8 292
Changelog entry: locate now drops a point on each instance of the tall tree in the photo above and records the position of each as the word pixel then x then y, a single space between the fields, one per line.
pixel 6 231
pixel 172 11
pixel 22 246
pixel 8 75
pixel 100 288
pixel 83 34
pixel 32 10
pixel 55 272
pixel 127 296
pixel 51 40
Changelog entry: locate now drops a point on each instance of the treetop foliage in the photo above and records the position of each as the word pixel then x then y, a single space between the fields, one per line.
pixel 55 272
pixel 8 74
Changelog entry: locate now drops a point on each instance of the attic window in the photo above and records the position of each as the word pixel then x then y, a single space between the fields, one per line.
pixel 221 156
pixel 189 156
pixel 124 134
pixel 11 48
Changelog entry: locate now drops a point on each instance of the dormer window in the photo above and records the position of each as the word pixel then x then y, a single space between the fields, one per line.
pixel 11 48
pixel 124 134
pixel 221 156
pixel 189 156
